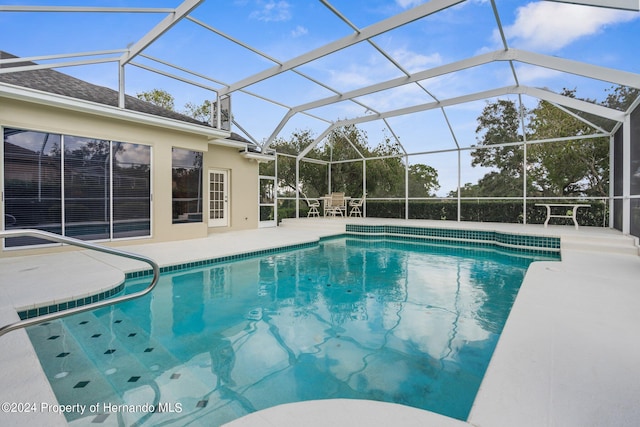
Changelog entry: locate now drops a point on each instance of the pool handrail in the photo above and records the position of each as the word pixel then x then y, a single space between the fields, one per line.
pixel 86 245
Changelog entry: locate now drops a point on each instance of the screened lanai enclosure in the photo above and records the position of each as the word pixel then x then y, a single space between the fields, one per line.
pixel 443 109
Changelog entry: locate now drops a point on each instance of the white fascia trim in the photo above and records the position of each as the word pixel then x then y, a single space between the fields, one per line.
pixel 227 143
pixel 53 100
pixel 258 157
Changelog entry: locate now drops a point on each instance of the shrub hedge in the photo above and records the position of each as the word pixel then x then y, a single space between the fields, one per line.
pixel 506 211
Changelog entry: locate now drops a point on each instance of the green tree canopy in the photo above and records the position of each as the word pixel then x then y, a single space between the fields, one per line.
pixel 575 167
pixel 423 180
pixel 346 148
pixel 200 112
pixel 572 167
pixel 162 98
pixel 499 124
pixel 158 97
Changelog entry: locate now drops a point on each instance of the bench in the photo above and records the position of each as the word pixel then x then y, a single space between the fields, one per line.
pixel 574 209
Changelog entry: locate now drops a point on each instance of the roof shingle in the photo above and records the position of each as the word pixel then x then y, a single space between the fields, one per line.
pixel 52 81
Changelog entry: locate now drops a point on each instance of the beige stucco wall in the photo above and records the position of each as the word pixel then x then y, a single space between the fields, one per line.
pixel 243 173
pixel 243 186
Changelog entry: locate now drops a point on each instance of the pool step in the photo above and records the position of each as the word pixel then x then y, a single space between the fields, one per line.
pixel 618 244
pixel 90 351
pixel 64 362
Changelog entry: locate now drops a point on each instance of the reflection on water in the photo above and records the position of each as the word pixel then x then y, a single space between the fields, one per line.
pixel 368 319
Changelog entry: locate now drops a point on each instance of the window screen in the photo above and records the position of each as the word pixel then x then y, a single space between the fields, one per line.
pixel 87 196
pixel 32 183
pixel 131 190
pixel 63 184
pixel 187 185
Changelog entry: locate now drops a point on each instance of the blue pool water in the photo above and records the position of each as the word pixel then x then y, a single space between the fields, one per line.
pixel 378 319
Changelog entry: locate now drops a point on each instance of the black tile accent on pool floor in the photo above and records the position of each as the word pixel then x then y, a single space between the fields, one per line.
pixel 81 384
pixel 99 419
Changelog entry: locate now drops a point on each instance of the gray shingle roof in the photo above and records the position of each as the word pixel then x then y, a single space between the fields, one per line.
pixel 52 81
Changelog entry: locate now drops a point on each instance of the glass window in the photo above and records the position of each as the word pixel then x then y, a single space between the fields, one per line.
pixel 187 185
pixel 87 199
pixel 131 190
pixel 32 183
pixel 40 184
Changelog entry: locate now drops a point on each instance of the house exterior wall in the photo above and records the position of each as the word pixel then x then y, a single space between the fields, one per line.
pixel 243 174
pixel 243 186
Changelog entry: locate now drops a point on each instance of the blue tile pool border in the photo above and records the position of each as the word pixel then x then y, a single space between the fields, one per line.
pixel 227 258
pixel 544 245
pixel 79 302
pixel 53 308
pixel 514 242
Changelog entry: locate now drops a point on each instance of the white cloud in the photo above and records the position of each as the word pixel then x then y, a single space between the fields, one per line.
pixel 532 75
pixel 272 11
pixel 299 31
pixel 414 62
pixel 350 77
pixel 405 4
pixel 549 26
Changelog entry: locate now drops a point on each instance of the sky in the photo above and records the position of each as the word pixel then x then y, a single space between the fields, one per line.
pixel 282 30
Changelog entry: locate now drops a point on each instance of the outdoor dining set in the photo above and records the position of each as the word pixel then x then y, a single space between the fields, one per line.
pixel 335 204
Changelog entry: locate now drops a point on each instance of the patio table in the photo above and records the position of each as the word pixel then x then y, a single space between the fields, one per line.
pixel 327 199
pixel 574 210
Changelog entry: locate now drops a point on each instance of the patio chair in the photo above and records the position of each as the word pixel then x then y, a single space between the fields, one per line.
pixel 336 205
pixel 313 204
pixel 326 202
pixel 355 205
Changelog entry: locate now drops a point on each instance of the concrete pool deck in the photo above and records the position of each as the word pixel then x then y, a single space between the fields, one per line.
pixel 568 355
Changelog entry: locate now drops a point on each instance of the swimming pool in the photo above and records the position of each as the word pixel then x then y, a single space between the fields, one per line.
pixel 370 318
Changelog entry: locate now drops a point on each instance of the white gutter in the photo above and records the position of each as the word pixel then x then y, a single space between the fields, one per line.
pixel 258 157
pixel 74 104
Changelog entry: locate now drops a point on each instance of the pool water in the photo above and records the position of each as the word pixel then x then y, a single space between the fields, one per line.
pixel 377 319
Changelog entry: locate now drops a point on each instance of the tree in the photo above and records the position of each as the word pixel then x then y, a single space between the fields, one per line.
pixel 313 180
pixel 576 167
pixel 499 123
pixel 158 97
pixel 621 97
pixel 423 180
pixel 200 112
pixel 385 176
pixel 164 99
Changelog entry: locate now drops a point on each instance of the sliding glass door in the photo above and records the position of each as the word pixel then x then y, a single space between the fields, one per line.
pixel 80 187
